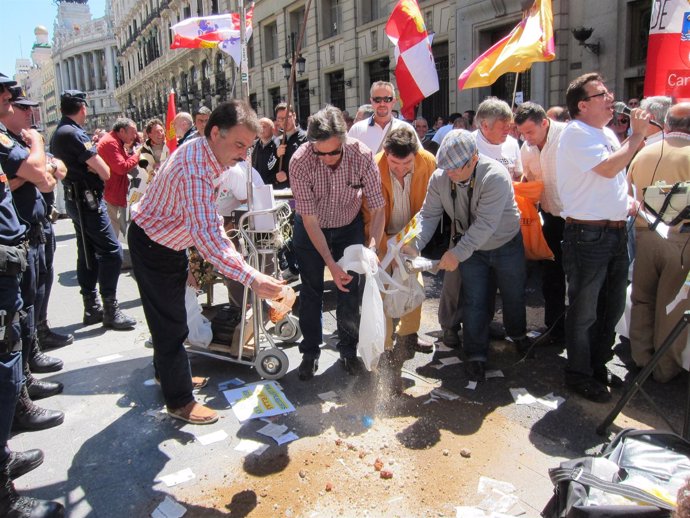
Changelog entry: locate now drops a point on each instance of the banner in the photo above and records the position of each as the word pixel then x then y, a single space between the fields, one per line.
pixel 668 51
pixel 170 137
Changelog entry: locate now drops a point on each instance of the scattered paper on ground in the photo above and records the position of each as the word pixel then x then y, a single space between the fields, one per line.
pixel 273 430
pixel 249 446
pixel 234 382
pixel 522 397
pixel 287 437
pixel 471 385
pixel 263 399
pixel 444 393
pixel 210 438
pixel 168 508
pixel 533 334
pixel 150 383
pixel 331 395
pixel 450 360
pixel 498 496
pixel 494 374
pixel 551 401
pixel 109 358
pixel 177 478
pixel 443 348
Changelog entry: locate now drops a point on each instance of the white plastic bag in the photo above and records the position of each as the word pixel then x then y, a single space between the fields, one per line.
pixel 401 302
pixel 200 332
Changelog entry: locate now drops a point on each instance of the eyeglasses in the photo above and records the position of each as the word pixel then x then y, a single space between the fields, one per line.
pixel 22 107
pixel 602 94
pixel 335 152
pixel 379 100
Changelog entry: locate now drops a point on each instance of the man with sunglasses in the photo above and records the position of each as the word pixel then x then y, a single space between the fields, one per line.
pixel 12 387
pixel 590 175
pixel 331 174
pixel 373 130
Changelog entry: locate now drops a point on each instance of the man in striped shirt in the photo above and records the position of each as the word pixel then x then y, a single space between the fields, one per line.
pixel 178 211
pixel 329 176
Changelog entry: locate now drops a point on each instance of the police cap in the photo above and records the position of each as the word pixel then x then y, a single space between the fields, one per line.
pixel 19 97
pixel 75 96
pixel 6 81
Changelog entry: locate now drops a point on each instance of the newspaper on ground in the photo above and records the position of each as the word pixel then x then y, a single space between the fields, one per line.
pixel 273 430
pixel 522 397
pixel 499 497
pixel 169 508
pixel 494 374
pixel 178 477
pixel 471 385
pixel 109 358
pixel 250 446
pixel 450 360
pixel 210 438
pixel 331 395
pixel 287 437
pixel 256 400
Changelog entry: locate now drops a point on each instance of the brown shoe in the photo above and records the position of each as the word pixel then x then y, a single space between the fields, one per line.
pixel 194 413
pixel 198 382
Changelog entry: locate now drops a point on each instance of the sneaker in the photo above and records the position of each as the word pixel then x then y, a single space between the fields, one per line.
pixel 422 346
pixel 194 413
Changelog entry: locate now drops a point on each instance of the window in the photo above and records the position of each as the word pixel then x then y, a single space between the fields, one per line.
pixel 214 6
pixel 332 18
pixel 199 8
pixel 370 10
pixel 250 53
pixel 336 86
pixel 639 14
pixel 271 41
pixel 186 12
pixel 274 94
pixel 296 19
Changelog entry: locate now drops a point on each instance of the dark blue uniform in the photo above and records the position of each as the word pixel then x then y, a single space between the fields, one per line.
pixel 72 145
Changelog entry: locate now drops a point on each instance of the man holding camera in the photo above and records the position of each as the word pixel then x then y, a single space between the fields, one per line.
pixel 99 253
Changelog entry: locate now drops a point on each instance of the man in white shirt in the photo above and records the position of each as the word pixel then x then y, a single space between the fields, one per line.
pixel 372 131
pixel 590 171
pixel 538 155
pixel 493 121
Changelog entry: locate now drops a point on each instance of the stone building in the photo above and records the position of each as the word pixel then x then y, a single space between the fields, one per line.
pixel 345 49
pixel 84 58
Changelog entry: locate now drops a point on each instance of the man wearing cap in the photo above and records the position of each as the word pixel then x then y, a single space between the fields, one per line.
pixel 331 174
pixel 99 253
pixel 13 252
pixel 22 156
pixel 477 194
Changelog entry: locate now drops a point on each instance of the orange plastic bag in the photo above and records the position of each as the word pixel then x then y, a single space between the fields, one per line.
pixel 527 196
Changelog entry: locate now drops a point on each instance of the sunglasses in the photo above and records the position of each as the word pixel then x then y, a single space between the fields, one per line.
pixel 335 152
pixel 379 100
pixel 22 107
pixel 621 120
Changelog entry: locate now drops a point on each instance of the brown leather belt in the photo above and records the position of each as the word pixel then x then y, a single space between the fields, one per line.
pixel 596 222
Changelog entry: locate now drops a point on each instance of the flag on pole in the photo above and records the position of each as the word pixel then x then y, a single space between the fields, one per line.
pixel 231 45
pixel 668 51
pixel 415 70
pixel 530 41
pixel 170 138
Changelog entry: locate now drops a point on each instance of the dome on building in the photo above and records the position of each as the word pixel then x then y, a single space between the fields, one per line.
pixel 40 30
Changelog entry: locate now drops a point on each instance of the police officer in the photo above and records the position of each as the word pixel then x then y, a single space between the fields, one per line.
pixel 22 157
pixel 99 254
pixel 13 251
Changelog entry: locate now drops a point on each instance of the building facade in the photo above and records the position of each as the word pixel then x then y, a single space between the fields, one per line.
pixel 84 58
pixel 345 49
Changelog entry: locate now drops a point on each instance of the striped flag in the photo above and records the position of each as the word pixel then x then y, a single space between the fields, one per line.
pixel 415 70
pixel 221 30
pixel 530 41
pixel 170 138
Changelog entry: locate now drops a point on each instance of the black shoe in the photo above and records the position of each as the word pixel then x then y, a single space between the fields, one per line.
pixel 422 346
pixel 49 339
pixel 29 416
pixel 608 378
pixel 496 331
pixel 41 363
pixel 451 338
pixel 21 462
pixel 525 347
pixel 14 506
pixel 476 370
pixel 113 318
pixel 351 365
pixel 40 389
pixel 591 389
pixel 307 368
pixel 93 311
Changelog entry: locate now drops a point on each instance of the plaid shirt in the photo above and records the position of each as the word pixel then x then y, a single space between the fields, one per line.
pixel 178 210
pixel 335 196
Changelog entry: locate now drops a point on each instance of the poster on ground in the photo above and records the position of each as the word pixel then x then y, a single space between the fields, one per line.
pixel 264 399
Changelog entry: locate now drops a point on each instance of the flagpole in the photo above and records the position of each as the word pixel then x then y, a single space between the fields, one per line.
pixel 244 95
pixel 291 81
pixel 512 105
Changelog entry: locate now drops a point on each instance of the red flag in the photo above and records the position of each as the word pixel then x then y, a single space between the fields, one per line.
pixel 170 139
pixel 415 71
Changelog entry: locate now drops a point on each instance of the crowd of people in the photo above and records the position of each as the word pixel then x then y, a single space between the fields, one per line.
pixel 355 181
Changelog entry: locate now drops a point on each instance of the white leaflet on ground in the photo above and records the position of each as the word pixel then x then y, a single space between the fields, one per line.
pixel 169 508
pixel 177 478
pixel 210 438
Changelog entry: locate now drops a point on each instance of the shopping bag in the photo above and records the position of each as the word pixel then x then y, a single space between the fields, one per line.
pixel 200 332
pixel 527 196
pixel 402 301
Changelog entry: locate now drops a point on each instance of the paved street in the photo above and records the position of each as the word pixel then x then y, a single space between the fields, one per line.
pixel 107 458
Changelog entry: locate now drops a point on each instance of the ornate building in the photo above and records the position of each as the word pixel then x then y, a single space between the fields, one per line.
pixel 84 58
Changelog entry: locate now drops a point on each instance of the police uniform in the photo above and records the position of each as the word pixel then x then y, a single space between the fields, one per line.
pixel 96 240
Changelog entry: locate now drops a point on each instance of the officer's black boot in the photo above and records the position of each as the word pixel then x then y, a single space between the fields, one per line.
pixel 93 311
pixel 14 506
pixel 113 318
pixel 49 339
pixel 28 416
pixel 40 389
pixel 39 362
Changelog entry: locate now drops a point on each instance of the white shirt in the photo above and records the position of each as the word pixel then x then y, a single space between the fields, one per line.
pixel 585 194
pixel 401 211
pixel 541 165
pixel 232 188
pixel 653 139
pixel 372 135
pixel 507 153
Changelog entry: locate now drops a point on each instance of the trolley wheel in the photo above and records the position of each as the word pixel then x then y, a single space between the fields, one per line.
pixel 287 329
pixel 271 364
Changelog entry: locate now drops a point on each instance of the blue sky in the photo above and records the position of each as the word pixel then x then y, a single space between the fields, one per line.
pixel 19 18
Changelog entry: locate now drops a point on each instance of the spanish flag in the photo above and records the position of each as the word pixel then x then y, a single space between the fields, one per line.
pixel 530 41
pixel 170 138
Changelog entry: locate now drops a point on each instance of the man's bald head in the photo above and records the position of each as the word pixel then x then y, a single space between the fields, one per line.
pixel 678 118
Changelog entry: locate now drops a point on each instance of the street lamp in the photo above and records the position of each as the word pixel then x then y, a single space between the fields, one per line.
pixel 287 67
pixel 301 64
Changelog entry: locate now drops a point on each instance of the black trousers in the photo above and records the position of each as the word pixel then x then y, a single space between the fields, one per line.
pixel 161 274
pixel 553 276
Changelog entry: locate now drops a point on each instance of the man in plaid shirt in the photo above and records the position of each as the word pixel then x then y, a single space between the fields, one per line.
pixel 329 176
pixel 178 211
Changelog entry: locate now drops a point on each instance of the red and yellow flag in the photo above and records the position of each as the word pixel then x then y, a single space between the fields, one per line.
pixel 170 138
pixel 529 42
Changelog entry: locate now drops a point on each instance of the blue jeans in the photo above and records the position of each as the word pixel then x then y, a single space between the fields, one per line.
pixel 506 264
pixel 311 269
pixel 595 260
pixel 103 248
